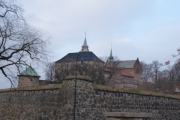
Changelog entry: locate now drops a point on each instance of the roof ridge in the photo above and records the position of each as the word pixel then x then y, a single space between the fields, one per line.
pixel 127 60
pixel 29 72
pixel 87 56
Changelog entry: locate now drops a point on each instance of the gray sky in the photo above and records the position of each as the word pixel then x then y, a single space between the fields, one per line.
pixel 147 29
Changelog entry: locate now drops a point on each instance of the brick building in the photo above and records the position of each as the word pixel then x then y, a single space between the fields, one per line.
pixel 127 73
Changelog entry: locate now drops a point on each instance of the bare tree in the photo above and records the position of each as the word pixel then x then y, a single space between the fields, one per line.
pixel 96 72
pixel 146 71
pixel 163 83
pixel 111 69
pixel 155 72
pixel 167 77
pixel 167 83
pixel 50 71
pixel 176 68
pixel 156 68
pixel 163 80
pixel 19 43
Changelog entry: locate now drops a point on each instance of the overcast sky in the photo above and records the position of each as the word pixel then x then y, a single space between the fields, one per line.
pixel 144 29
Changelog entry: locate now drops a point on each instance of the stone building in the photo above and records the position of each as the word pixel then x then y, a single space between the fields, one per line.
pixel 88 57
pixel 29 77
pixel 127 73
pixel 84 55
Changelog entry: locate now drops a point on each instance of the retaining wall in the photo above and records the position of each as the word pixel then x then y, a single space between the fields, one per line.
pixel 93 102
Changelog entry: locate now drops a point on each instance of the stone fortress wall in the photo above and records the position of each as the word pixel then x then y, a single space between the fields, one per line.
pixel 93 102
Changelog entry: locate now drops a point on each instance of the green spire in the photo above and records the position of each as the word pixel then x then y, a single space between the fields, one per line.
pixel 111 57
pixel 111 53
pixel 29 72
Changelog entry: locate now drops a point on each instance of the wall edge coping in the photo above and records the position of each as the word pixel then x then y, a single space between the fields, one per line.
pixel 79 77
pixel 33 88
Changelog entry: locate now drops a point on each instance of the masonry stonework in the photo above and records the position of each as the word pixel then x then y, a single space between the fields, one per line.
pixel 28 81
pixel 92 103
pixel 37 104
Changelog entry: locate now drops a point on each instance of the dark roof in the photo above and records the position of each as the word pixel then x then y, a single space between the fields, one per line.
pixel 85 56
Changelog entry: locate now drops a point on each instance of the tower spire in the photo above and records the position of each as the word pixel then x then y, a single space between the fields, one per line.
pixel 111 51
pixel 111 59
pixel 111 54
pixel 85 46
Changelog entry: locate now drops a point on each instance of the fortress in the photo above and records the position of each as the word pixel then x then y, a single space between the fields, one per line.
pixel 127 75
pixel 34 100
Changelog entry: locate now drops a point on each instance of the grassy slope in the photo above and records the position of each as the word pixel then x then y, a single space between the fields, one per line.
pixel 114 89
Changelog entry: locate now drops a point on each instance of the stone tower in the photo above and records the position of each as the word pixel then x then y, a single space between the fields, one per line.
pixel 28 77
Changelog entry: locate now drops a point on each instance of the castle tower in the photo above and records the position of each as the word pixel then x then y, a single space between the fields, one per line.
pixel 28 77
pixel 85 46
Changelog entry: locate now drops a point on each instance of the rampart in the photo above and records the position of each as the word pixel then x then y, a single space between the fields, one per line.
pixel 93 102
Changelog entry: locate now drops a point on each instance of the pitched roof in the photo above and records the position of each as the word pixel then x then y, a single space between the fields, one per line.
pixel 127 64
pixel 85 56
pixel 123 73
pixel 29 72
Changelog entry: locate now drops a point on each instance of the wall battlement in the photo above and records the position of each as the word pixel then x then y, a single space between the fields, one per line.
pixel 93 102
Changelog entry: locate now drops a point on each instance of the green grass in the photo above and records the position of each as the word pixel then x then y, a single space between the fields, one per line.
pixel 81 77
pixel 114 89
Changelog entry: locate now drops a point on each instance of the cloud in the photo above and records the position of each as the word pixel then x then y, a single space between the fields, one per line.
pixel 147 29
pixel 64 20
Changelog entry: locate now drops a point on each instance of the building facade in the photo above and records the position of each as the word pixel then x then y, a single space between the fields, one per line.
pixel 65 65
pixel 30 77
pixel 126 74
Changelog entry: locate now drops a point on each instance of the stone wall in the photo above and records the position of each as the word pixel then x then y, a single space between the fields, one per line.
pixel 93 102
pixel 37 103
pixel 28 81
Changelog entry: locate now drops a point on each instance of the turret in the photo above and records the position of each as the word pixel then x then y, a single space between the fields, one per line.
pixel 85 46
